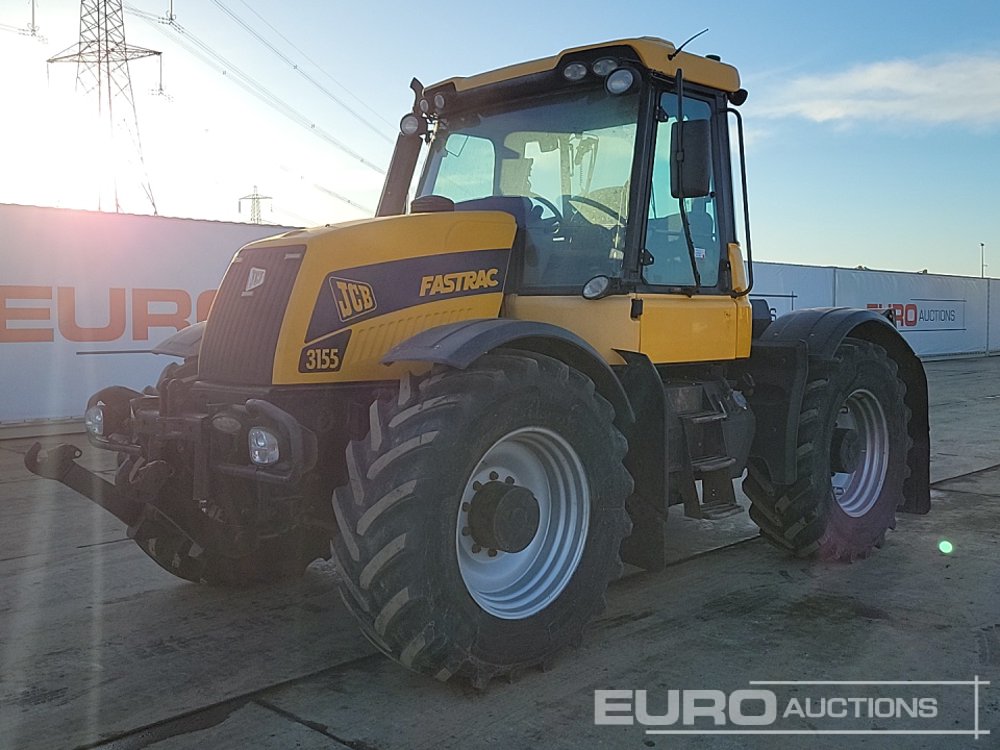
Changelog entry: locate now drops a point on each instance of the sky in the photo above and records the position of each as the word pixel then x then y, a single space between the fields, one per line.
pixel 873 127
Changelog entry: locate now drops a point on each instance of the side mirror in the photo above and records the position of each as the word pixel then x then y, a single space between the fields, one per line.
pixel 690 159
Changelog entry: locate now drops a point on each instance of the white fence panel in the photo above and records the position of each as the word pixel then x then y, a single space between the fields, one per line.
pixel 993 320
pixel 938 315
pixel 83 293
pixel 788 287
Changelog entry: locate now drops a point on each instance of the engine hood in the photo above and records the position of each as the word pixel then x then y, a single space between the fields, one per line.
pixel 323 305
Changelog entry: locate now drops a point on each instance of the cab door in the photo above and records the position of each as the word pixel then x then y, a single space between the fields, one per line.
pixel 685 321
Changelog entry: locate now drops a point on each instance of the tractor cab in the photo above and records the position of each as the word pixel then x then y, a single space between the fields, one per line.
pixel 615 163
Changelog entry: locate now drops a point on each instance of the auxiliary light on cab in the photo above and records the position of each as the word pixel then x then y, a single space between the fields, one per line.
pixel 620 81
pixel 604 66
pixel 410 124
pixel 575 72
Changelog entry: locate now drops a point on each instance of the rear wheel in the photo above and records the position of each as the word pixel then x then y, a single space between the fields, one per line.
pixel 851 459
pixel 483 517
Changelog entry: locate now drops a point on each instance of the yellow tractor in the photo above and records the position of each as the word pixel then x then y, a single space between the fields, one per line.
pixel 488 395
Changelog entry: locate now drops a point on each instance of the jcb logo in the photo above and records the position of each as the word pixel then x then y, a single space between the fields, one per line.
pixel 254 279
pixel 353 298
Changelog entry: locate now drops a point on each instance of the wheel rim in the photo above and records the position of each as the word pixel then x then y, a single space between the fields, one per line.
pixel 857 491
pixel 517 585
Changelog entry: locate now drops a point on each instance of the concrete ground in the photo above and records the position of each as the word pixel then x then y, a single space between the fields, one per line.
pixel 100 648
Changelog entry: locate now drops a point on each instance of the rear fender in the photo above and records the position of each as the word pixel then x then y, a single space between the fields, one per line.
pixel 781 355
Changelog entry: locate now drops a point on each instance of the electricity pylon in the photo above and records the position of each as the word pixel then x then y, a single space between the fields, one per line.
pixel 255 199
pixel 102 56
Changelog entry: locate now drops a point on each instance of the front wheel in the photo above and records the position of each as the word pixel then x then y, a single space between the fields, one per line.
pixel 851 460
pixel 483 517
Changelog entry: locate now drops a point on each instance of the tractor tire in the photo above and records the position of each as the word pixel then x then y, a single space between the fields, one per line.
pixel 851 460
pixel 483 517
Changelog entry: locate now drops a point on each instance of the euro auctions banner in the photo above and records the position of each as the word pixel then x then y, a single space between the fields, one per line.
pixel 937 315
pixel 84 296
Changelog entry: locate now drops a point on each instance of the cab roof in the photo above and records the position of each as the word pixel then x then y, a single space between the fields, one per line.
pixel 654 54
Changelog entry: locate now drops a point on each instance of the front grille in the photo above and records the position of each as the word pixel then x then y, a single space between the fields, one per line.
pixel 242 330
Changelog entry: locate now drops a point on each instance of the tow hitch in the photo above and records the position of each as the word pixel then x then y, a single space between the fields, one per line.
pixel 136 500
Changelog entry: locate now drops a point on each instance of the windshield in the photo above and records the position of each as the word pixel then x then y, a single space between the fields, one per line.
pixel 561 165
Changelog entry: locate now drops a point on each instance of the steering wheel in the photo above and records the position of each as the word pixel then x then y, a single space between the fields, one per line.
pixel 543 201
pixel 599 206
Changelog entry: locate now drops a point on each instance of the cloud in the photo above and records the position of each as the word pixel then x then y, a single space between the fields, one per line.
pixel 956 89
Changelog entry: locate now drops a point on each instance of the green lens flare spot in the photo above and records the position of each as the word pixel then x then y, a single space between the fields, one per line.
pixel 945 547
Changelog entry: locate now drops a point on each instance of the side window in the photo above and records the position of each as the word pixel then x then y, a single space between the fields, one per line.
pixel 467 168
pixel 665 240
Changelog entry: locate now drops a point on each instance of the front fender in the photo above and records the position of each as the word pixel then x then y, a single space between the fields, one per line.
pixel 185 343
pixel 459 344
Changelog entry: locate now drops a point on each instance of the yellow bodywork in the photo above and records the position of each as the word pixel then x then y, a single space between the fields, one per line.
pixel 653 53
pixel 447 267
pixel 365 286
pixel 422 238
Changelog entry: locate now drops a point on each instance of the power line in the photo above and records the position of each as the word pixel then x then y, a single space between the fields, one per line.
pixel 282 56
pixel 316 65
pixel 31 29
pixel 204 52
pixel 323 189
pixel 340 197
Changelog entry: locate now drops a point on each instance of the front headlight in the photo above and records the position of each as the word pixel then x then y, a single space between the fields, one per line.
pixel 263 446
pixel 93 420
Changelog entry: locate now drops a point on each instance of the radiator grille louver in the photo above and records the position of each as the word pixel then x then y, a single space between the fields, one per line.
pixel 242 330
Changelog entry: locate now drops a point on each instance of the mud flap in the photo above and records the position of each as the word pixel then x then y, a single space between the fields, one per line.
pixel 646 461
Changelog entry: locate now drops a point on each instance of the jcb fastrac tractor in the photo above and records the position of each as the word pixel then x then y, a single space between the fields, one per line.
pixel 484 400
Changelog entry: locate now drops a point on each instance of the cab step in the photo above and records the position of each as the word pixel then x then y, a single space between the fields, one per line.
pixel 703 417
pixel 713 511
pixel 708 464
